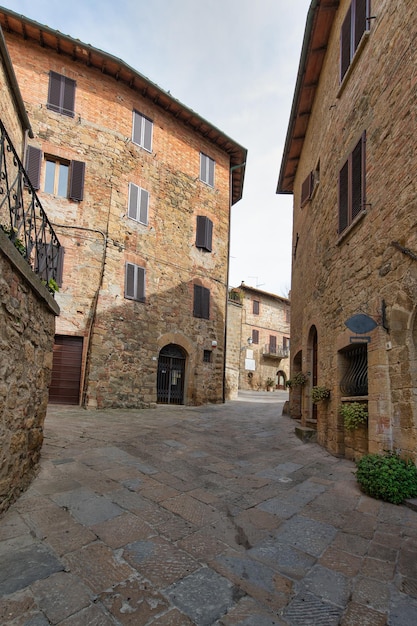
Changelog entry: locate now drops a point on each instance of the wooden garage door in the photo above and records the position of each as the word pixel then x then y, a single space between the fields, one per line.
pixel 66 370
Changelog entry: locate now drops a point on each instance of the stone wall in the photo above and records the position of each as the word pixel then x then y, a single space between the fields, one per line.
pixel 234 346
pixel 27 324
pixel 372 267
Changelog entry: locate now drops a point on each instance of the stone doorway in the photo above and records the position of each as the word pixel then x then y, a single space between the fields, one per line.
pixel 171 375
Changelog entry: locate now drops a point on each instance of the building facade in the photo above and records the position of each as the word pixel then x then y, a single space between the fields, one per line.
pixel 139 189
pixel 349 161
pixel 258 341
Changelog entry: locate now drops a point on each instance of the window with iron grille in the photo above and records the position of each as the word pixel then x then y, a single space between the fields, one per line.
pixel 204 233
pixel 354 26
pixel 354 381
pixel 142 131
pixel 138 204
pixel 207 169
pixel 50 259
pixel 352 186
pixel 201 306
pixel 207 356
pixel 61 94
pixel 134 282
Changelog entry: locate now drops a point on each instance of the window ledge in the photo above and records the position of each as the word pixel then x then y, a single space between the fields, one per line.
pixel 351 227
pixel 353 63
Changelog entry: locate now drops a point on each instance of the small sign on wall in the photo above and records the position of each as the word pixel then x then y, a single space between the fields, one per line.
pixel 250 365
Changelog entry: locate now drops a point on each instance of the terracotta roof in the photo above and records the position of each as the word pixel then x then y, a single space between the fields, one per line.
pixel 255 290
pixel 112 66
pixel 319 23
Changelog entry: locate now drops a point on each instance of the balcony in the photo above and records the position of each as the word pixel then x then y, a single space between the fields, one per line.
pixel 22 217
pixel 273 351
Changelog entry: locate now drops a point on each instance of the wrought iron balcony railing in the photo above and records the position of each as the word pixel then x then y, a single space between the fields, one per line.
pixel 22 217
pixel 277 352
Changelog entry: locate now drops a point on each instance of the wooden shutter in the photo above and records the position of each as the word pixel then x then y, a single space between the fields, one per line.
pixel 210 172
pixel 54 93
pixel 344 197
pixel 138 203
pixel 201 306
pixel 68 96
pixel 207 169
pixel 204 234
pixel 345 43
pixel 33 166
pixel 255 307
pixel 59 265
pixel 255 336
pixel 147 134
pixel 357 182
pixel 307 189
pixel 360 20
pixel 142 131
pixel 272 344
pixel 77 172
pixel 143 206
pixel 133 201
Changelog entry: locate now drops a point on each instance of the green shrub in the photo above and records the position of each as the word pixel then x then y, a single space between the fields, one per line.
pixel 387 477
pixel 354 414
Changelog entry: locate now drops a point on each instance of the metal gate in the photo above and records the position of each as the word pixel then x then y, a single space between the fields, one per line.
pixel 170 379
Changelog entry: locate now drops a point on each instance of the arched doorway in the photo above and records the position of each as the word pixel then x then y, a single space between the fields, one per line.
pixel 281 379
pixel 313 362
pixel 171 374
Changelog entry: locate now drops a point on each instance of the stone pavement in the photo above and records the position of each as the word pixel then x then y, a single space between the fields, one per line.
pixel 214 515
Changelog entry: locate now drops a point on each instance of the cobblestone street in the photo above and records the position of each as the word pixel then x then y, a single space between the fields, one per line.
pixel 211 515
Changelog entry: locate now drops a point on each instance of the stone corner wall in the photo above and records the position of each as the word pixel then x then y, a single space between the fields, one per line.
pixel 27 327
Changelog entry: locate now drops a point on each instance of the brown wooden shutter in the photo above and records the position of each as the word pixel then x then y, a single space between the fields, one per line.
pixel 255 336
pixel 68 96
pixel 54 93
pixel 143 208
pixel 357 171
pixel 360 20
pixel 33 166
pixel 345 45
pixel 272 344
pixel 344 197
pixel 255 307
pixel 130 281
pixel 133 201
pixel 77 172
pixel 307 189
pixel 201 306
pixel 204 234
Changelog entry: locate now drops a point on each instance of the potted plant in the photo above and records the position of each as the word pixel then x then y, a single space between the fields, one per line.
pixel 354 414
pixel 319 393
pixel 270 383
pixel 298 380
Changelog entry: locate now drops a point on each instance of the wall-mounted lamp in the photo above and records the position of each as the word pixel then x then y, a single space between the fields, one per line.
pixel 250 341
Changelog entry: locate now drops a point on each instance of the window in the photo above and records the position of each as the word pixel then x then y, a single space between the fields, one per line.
pixel 272 344
pixel 255 307
pixel 207 169
pixel 204 233
pixel 201 302
pixel 61 94
pixel 354 26
pixel 207 356
pixel 138 204
pixel 286 343
pixel 352 186
pixel 255 336
pixel 354 363
pixel 135 282
pixel 64 178
pixel 142 131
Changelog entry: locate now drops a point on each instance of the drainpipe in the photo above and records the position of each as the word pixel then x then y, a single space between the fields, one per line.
pixel 232 169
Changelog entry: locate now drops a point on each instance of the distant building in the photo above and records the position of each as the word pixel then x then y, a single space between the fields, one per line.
pixel 258 340
pixel 350 162
pixel 139 189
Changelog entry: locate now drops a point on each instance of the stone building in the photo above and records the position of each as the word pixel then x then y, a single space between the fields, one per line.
pixel 139 189
pixel 349 160
pixel 258 340
pixel 27 309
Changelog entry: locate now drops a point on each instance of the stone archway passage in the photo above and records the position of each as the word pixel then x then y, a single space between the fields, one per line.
pixel 171 374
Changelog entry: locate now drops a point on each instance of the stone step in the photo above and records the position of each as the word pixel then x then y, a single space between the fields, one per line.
pixel 306 434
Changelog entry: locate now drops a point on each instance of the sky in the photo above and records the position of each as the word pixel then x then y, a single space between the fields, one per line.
pixel 235 63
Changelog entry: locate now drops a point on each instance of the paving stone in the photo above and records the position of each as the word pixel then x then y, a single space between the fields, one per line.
pixel 17 607
pixel 93 615
pixel 328 585
pixel 134 602
pixel 247 612
pixel 308 610
pixel 20 568
pixel 407 563
pixel 408 586
pixel 293 501
pixel 98 567
pixel 159 561
pixel 173 618
pixel 204 596
pixel 87 507
pixel 12 525
pixel 283 557
pixel 351 543
pixel 380 570
pixel 60 595
pixel 191 509
pixel 403 611
pixel 123 529
pixel 202 545
pixel 360 615
pixel 340 561
pixel 371 593
pixel 306 535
